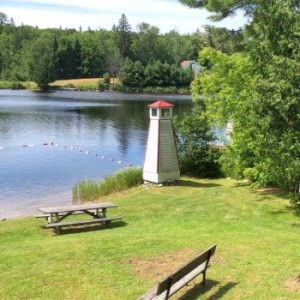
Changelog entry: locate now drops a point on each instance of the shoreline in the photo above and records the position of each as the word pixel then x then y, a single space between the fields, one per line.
pixel 22 208
pixel 92 85
pixel 106 95
pixel 62 89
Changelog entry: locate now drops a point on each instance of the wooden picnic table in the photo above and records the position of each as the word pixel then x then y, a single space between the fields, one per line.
pixel 55 215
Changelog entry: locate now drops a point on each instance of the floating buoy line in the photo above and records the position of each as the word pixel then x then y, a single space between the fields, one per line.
pixel 78 149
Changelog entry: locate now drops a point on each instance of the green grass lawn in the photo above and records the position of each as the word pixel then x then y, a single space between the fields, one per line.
pixel 257 257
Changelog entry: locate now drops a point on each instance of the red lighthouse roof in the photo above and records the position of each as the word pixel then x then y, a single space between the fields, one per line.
pixel 161 103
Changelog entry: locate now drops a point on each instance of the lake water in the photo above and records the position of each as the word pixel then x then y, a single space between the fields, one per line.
pixel 49 141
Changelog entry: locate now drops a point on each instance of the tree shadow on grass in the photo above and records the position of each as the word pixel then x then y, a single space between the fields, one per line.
pixel 242 184
pixel 190 183
pixel 270 195
pixel 296 211
pixel 88 228
pixel 266 193
pixel 288 209
pixel 199 290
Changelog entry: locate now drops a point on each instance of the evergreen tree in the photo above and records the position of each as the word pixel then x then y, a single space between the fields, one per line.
pixel 222 8
pixel 76 60
pixel 123 36
pixel 55 57
pixel 227 41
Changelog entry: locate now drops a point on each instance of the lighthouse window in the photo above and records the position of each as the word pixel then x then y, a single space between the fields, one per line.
pixel 154 112
pixel 165 112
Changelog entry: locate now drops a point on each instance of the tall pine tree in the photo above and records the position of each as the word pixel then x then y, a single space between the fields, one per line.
pixel 123 36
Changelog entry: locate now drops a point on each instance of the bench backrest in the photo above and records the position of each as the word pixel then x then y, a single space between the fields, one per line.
pixel 204 257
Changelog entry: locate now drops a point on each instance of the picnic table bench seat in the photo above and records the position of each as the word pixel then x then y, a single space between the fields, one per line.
pixel 174 282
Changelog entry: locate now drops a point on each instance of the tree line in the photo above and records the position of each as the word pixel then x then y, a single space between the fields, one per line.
pixel 44 55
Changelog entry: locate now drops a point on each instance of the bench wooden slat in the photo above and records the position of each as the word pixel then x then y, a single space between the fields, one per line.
pixel 149 295
pixel 81 207
pixel 203 257
pixel 82 222
pixel 182 282
pixel 152 294
pixel 60 214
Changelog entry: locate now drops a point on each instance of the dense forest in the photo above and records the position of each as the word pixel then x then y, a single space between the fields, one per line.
pixel 44 55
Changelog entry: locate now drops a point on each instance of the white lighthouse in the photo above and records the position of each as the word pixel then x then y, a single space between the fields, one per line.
pixel 161 162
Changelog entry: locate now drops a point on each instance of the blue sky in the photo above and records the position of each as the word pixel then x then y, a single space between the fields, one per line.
pixel 165 14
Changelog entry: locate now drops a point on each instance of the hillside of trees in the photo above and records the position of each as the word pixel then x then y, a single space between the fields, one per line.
pixel 45 55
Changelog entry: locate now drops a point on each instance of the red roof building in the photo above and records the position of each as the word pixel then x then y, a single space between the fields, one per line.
pixel 160 104
pixel 186 63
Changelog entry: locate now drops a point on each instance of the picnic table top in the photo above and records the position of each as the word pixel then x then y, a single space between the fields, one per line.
pixel 71 208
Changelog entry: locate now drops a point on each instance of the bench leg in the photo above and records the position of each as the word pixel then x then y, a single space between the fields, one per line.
pixel 106 223
pixel 58 230
pixel 204 278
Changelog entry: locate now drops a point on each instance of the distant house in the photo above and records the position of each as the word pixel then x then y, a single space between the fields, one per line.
pixel 190 64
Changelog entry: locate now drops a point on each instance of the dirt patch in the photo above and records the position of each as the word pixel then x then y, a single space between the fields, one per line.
pixel 293 284
pixel 158 267
pixel 217 259
pixel 269 189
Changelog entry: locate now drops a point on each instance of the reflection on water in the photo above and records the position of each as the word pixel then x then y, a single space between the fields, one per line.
pixel 93 135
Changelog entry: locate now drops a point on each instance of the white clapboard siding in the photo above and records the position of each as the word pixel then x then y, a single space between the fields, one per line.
pixel 151 157
pixel 167 148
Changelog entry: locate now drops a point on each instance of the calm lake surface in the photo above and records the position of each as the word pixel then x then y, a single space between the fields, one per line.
pixel 49 141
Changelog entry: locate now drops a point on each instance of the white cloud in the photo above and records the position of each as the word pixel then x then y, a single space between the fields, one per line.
pixel 166 14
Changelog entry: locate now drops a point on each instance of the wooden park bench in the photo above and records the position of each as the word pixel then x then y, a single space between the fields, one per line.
pixel 55 215
pixel 174 282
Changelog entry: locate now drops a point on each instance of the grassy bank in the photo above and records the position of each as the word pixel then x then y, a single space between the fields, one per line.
pixel 12 85
pixel 83 84
pixel 18 85
pixel 80 84
pixel 88 190
pixel 257 256
pixel 92 84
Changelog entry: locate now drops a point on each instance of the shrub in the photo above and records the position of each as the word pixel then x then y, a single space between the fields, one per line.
pixel 106 79
pixel 101 86
pixel 29 85
pixel 70 85
pixel 14 85
pixel 87 86
pixel 118 87
pixel 149 89
pixel 88 190
pixel 198 154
